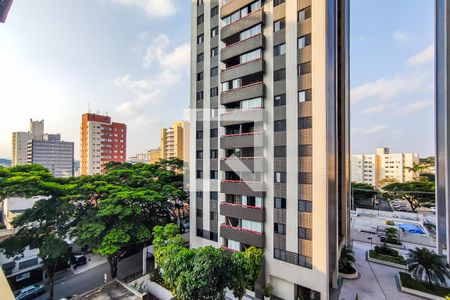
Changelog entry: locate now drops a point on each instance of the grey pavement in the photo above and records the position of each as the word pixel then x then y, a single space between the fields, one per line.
pixel 377 282
pixel 68 284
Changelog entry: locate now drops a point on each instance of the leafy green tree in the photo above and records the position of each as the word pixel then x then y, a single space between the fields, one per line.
pixel 424 264
pixel 346 259
pixel 417 169
pixel 416 193
pixel 391 235
pixel 362 192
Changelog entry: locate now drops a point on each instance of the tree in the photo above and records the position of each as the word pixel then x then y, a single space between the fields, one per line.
pixel 424 264
pixel 416 193
pixel 388 180
pixel 361 192
pixel 346 259
pixel 391 235
pixel 417 169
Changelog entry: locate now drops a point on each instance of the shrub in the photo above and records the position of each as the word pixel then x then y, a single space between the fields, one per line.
pixel 388 258
pixel 389 222
pixel 384 249
pixel 408 282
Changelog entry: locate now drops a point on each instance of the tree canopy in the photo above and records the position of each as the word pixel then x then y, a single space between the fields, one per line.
pixel 416 193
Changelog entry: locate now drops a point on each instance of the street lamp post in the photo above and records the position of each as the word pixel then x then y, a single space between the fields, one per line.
pixel 370 239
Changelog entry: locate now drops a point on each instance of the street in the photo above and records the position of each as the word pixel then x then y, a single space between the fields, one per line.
pixel 69 284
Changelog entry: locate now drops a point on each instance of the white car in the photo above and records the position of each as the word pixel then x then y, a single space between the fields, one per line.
pixel 30 292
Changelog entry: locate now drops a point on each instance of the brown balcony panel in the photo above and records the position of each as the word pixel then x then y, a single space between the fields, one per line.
pixel 241 47
pixel 304 82
pixel 242 212
pixel 242 165
pixel 241 24
pixel 241 141
pixel 303 3
pixel 232 6
pixel 255 189
pixel 304 55
pixel 304 27
pixel 246 237
pixel 243 93
pixel 255 115
pixel 242 70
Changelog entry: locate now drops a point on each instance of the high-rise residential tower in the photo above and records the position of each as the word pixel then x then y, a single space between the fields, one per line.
pixel 270 163
pixel 442 69
pixel 173 140
pixel 102 141
pixel 19 148
pixel 5 5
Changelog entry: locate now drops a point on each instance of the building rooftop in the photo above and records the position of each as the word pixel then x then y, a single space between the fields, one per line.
pixel 110 291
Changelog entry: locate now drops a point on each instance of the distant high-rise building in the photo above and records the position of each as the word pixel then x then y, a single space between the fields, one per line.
pixel 37 129
pixel 148 157
pixel 19 148
pixel 270 137
pixel 5 5
pixel 375 169
pixel 102 141
pixel 53 154
pixel 155 155
pixel 172 141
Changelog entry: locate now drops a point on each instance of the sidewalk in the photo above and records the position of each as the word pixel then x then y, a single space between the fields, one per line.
pixel 93 261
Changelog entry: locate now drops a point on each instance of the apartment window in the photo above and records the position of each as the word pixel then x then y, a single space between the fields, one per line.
pixel 214 51
pixel 214 132
pixel 279 75
pixel 251 103
pixel 279 254
pixel 200 76
pixel 199 213
pixel 279 100
pixel 304 14
pixel 304 123
pixel 200 57
pixel 199 154
pixel 200 20
pixel 250 56
pixel 199 232
pixel 230 85
pixel 213 236
pixel 280 177
pixel 279 203
pixel 214 91
pixel 242 12
pixel 214 196
pixel 213 153
pixel 214 11
pixel 305 178
pixel 214 71
pixel 200 39
pixel 304 96
pixel 214 174
pixel 304 41
pixel 250 32
pixel 215 31
pixel 280 228
pixel 304 233
pixel 214 113
pixel 305 150
pixel 280 151
pixel 277 2
pixel 304 206
pixel 304 68
pixel 199 134
pixel 279 25
pixel 279 125
pixel 199 194
pixel 279 50
pixel 199 174
pixel 213 216
pixel 199 2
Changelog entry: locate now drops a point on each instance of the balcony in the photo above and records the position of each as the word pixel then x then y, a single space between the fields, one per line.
pixel 239 187
pixel 242 24
pixel 238 116
pixel 242 140
pixel 242 70
pixel 242 164
pixel 250 91
pixel 240 211
pixel 244 46
pixel 248 237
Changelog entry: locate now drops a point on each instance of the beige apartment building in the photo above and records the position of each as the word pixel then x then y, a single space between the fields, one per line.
pixel 270 159
pixel 376 169
pixel 173 141
pixel 149 157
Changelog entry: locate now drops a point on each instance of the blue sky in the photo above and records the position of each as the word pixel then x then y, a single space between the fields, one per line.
pixel 130 58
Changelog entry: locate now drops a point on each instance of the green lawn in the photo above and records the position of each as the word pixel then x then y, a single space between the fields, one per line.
pixel 411 283
pixel 388 258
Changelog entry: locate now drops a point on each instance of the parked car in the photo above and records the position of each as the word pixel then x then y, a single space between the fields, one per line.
pixel 30 292
pixel 78 260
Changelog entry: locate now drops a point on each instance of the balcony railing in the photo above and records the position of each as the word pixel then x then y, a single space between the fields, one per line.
pixel 242 87
pixel 246 16
pixel 239 65
pixel 241 229
pixel 242 205
pixel 241 134
pixel 241 158
pixel 241 41
pixel 240 181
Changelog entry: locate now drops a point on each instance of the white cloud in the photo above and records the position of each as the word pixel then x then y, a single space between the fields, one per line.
pixel 153 8
pixel 387 89
pixel 374 109
pixel 424 56
pixel 400 35
pixel 416 106
pixel 158 52
pixel 370 130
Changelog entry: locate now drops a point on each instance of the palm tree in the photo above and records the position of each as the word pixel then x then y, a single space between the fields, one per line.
pixel 426 264
pixel 416 169
pixel 346 259
pixel 391 235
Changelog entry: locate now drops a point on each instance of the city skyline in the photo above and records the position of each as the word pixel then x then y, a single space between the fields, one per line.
pixel 138 66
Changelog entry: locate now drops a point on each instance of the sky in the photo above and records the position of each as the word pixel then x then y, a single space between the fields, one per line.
pixel 130 59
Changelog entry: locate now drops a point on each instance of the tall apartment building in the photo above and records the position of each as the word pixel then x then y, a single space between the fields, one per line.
pixel 37 129
pixel 270 163
pixel 102 141
pixel 373 169
pixel 442 125
pixel 53 154
pixel 19 148
pixel 5 5
pixel 173 140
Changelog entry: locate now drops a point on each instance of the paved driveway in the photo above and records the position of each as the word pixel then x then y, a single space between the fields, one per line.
pixel 377 281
